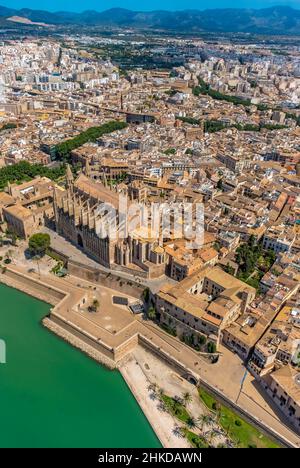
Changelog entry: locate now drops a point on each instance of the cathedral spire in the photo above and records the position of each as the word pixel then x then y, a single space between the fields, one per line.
pixel 55 205
pixel 69 177
pixel 104 180
pixel 87 170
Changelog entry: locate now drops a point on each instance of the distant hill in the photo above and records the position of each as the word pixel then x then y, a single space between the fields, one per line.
pixel 274 20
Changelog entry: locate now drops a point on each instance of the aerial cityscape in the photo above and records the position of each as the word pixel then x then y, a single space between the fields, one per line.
pixel 150 226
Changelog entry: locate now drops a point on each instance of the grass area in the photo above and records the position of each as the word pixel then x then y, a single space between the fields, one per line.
pixel 207 399
pixel 195 440
pixel 176 408
pixel 245 435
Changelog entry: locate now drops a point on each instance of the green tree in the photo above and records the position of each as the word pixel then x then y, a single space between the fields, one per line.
pixel 170 151
pixel 212 435
pixel 152 313
pixel 229 269
pixel 38 244
pixel 203 420
pixel 13 238
pixel 152 387
pixel 202 340
pixel 217 246
pixel 8 255
pixel 24 171
pixel 191 422
pixel 204 88
pixel 247 256
pixel 220 184
pixel 8 126
pixel 146 294
pixel 90 135
pixel 95 305
pixel 211 347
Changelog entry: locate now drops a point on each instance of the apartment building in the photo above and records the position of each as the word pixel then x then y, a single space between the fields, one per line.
pixel 283 386
pixel 204 303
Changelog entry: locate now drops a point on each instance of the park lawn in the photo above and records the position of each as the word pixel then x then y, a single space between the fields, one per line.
pixel 208 399
pixel 244 434
pixel 195 440
pixel 176 408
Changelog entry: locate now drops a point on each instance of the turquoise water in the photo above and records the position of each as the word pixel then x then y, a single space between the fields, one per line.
pixel 52 395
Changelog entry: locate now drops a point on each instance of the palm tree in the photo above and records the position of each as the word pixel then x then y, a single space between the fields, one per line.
pixel 229 443
pixel 191 422
pixel 203 420
pixel 178 399
pixel 212 435
pixel 210 421
pixel 13 238
pixel 9 253
pixel 178 431
pixel 153 396
pixel 187 398
pixel 37 258
pixel 95 304
pixel 218 410
pixel 146 295
pixel 162 407
pixel 152 387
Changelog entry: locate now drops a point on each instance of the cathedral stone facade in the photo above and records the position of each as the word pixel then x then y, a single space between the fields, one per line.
pixel 78 218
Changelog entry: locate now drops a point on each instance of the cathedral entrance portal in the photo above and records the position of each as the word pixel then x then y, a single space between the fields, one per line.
pixel 79 240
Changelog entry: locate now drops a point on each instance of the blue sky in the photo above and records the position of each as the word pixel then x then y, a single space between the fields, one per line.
pixel 99 5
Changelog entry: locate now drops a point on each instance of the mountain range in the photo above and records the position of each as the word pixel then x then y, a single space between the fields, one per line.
pixel 274 20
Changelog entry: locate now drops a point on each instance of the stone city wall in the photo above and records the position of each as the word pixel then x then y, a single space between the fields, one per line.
pixel 170 360
pixel 78 342
pixel 32 287
pixel 80 335
pixel 110 280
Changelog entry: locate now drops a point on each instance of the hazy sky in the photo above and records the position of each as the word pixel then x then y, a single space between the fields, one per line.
pixel 99 5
